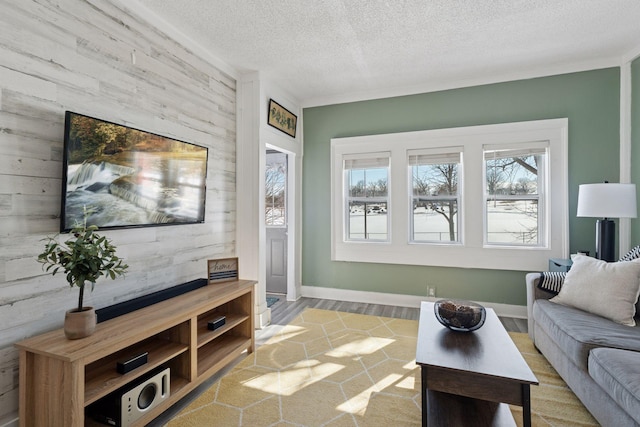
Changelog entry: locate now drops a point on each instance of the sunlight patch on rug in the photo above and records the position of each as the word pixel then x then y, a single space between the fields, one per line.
pixel 358 347
pixel 293 379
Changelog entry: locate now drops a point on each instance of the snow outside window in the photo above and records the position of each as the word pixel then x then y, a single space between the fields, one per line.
pixel 435 195
pixel 515 194
pixel 366 178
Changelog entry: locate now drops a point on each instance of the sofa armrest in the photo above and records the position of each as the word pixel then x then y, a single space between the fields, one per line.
pixel 534 293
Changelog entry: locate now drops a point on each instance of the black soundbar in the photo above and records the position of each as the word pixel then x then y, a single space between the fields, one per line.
pixel 125 307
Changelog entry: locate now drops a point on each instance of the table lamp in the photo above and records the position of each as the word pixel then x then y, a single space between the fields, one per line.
pixel 607 200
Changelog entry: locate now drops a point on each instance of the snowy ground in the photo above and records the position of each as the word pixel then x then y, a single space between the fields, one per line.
pixel 507 223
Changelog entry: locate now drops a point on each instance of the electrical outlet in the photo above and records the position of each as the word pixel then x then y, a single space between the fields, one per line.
pixel 431 291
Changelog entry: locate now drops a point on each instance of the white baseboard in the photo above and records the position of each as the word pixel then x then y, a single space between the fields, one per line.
pixel 401 300
pixel 262 319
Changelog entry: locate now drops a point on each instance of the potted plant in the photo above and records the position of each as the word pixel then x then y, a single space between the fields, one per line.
pixel 84 257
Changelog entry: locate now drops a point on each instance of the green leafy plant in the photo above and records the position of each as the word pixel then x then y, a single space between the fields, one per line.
pixel 84 257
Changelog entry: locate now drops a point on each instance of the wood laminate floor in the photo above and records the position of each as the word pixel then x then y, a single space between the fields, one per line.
pixel 283 311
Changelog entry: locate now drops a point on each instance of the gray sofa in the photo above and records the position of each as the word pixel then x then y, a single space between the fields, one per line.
pixel 597 358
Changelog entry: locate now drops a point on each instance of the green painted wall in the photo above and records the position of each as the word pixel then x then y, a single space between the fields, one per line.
pixel 635 141
pixel 589 99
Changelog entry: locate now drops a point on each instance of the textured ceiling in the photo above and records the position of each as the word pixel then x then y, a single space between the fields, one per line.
pixel 323 49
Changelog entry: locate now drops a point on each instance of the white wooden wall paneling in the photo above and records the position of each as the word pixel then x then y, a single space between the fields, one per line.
pixel 95 58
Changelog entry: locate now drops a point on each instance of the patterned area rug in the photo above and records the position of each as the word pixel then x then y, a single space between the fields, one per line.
pixel 335 369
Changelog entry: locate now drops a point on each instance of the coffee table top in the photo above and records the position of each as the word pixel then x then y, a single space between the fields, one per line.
pixel 486 351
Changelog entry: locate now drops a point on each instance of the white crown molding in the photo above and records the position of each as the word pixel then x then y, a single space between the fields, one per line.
pixel 456 84
pixel 400 300
pixel 145 14
pixel 632 55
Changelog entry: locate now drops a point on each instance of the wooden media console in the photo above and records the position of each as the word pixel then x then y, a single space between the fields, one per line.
pixel 60 378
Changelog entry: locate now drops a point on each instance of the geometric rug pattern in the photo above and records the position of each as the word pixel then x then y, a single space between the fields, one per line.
pixel 552 402
pixel 335 369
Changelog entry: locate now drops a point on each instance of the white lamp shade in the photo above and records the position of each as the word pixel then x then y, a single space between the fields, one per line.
pixel 607 200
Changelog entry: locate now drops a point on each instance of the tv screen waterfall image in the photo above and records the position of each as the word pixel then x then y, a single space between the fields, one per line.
pixel 129 178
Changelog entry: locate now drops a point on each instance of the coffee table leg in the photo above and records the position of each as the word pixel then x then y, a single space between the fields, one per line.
pixel 526 405
pixel 423 381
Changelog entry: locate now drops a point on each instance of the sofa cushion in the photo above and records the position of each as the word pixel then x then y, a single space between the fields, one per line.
pixel 607 289
pixel 618 373
pixel 578 332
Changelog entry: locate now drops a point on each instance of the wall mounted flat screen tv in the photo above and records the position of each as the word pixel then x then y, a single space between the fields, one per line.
pixel 126 177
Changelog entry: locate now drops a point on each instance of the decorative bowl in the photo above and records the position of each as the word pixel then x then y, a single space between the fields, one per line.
pixel 459 315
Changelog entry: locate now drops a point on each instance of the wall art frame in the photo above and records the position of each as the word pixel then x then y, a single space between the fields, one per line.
pixel 222 270
pixel 282 119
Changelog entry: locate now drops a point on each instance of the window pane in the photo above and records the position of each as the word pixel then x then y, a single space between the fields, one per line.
pixel 512 175
pixel 367 199
pixel 275 190
pixel 435 200
pixel 368 182
pixel 367 221
pixel 513 222
pixel 435 220
pixel 435 180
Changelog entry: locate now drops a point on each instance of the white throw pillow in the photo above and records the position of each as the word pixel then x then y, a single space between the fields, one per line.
pixel 608 289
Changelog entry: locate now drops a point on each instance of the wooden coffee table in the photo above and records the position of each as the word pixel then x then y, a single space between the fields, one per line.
pixel 470 378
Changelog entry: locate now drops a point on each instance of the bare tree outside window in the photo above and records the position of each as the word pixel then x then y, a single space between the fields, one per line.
pixel 275 192
pixel 512 186
pixel 435 198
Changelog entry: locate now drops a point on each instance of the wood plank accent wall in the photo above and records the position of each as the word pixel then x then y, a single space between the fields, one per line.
pixel 96 58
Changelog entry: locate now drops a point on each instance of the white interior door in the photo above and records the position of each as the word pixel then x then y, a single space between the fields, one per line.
pixel 276 222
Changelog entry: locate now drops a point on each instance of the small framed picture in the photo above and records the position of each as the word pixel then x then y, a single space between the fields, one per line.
pixel 282 119
pixel 222 270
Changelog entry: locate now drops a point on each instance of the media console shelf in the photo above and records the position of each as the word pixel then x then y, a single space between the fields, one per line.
pixel 60 378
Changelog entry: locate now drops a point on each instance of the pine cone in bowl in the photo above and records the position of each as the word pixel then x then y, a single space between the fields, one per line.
pixel 459 315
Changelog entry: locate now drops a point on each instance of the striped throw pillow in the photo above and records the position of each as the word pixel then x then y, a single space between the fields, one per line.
pixel 632 254
pixel 551 281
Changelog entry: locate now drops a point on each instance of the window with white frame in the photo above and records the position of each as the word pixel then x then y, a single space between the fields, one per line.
pixel 515 194
pixel 366 178
pixel 435 194
pixel 472 197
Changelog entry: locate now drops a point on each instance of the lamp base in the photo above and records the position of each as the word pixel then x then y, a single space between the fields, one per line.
pixel 605 240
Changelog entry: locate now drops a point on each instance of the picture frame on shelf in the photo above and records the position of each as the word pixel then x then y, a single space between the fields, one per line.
pixel 282 119
pixel 222 270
